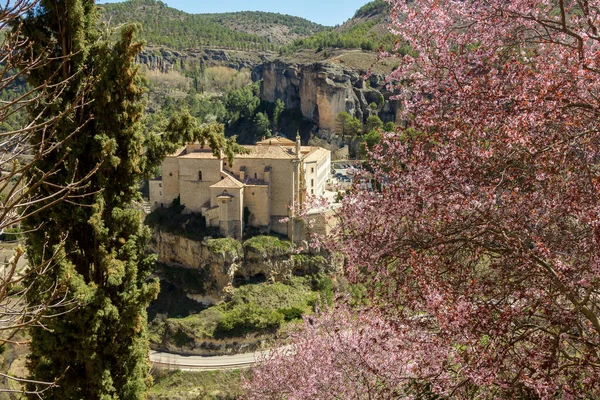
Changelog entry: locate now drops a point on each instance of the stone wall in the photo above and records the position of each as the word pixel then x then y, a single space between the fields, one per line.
pixel 170 179
pixel 257 200
pixel 156 193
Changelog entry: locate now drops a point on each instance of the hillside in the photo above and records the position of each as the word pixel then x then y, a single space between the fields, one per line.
pixel 251 30
pixel 366 30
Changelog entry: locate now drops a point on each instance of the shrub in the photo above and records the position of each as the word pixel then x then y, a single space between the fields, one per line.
pixel 267 244
pixel 291 313
pixel 245 318
pixel 324 284
pixel 224 246
pixel 11 234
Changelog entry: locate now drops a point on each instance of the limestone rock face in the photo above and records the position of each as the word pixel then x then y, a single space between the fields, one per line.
pixel 224 262
pixel 217 259
pixel 275 265
pixel 322 90
pixel 169 60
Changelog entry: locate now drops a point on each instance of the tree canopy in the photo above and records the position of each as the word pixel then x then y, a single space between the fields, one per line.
pixel 480 250
pixel 166 26
pixel 96 346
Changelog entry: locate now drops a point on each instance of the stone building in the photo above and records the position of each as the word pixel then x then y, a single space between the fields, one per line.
pixel 259 189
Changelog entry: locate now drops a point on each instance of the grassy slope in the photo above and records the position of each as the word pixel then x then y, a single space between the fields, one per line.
pixel 253 310
pixel 171 385
pixel 366 30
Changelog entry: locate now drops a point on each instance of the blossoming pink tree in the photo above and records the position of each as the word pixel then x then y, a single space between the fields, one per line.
pixel 481 249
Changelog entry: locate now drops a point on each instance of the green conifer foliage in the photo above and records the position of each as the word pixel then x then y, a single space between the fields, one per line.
pixel 98 349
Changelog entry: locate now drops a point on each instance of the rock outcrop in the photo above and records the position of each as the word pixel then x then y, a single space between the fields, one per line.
pixel 226 262
pixel 319 90
pixel 322 90
pixel 163 60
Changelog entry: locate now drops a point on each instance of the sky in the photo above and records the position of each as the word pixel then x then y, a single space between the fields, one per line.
pixel 325 12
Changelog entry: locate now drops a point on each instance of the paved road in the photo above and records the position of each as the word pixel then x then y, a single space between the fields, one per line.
pixel 205 363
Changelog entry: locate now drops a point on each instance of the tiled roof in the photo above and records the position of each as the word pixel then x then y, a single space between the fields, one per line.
pixel 273 152
pixel 228 182
pixel 204 153
pixel 309 153
pixel 316 154
pixel 277 140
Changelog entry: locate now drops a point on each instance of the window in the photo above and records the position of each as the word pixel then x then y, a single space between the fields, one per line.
pixel 160 193
pixel 255 176
pixel 160 184
pixel 312 170
pixel 312 182
pixel 199 175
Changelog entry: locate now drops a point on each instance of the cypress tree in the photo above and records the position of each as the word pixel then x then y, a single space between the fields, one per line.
pixel 95 347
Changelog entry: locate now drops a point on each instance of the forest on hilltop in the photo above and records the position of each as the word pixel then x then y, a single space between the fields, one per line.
pixel 249 30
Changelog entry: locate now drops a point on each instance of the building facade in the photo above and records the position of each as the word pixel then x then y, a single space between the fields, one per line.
pixel 259 190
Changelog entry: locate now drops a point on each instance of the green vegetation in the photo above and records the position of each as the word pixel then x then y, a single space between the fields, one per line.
pixel 370 139
pixel 350 128
pixel 222 385
pixel 243 102
pixel 98 349
pixel 166 26
pixel 264 244
pixel 14 117
pixel 13 362
pixel 172 220
pixel 242 319
pixel 225 246
pixel 252 310
pixel 11 234
pixel 298 26
pixel 101 264
pixel 263 126
pixel 364 35
pixel 377 7
pixel 373 123
pixel 324 284
pixel 347 127
pixel 237 105
pixel 310 263
pixel 277 111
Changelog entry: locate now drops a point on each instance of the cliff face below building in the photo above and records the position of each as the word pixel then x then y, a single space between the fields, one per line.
pixel 321 90
pixel 226 262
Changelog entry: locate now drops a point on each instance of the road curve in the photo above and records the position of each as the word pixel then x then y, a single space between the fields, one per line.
pixel 205 363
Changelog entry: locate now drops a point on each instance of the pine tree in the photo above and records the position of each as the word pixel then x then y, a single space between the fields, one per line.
pixel 98 349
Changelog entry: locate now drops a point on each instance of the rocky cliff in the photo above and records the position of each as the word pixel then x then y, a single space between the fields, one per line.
pixel 321 90
pixel 164 60
pixel 226 262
